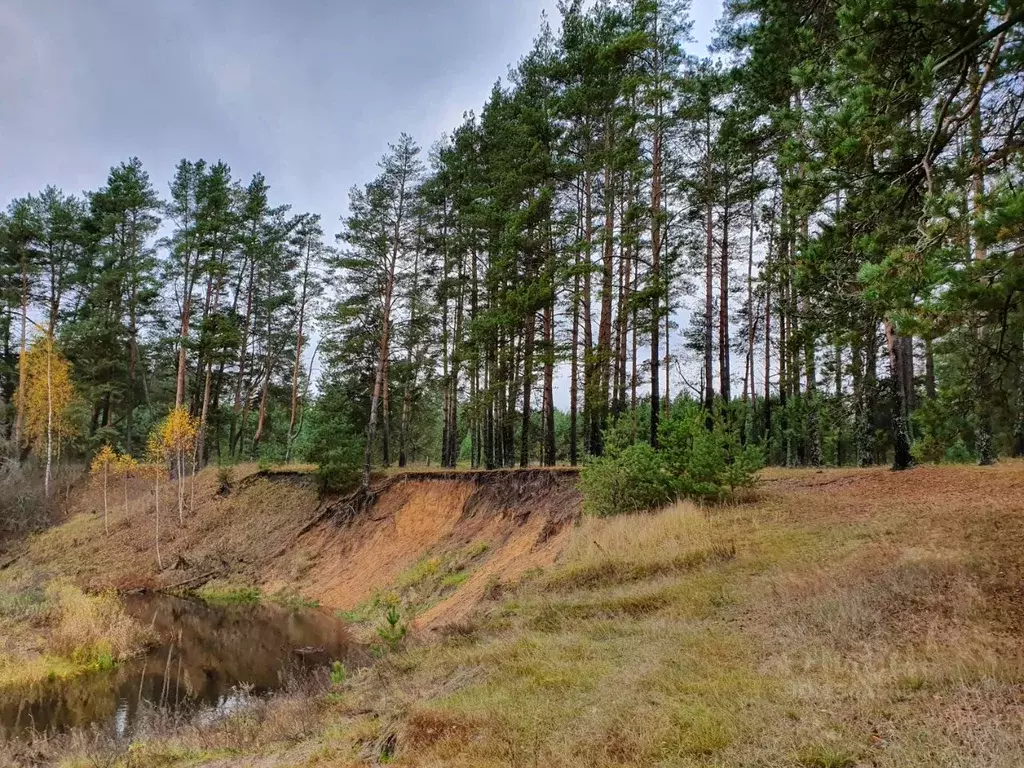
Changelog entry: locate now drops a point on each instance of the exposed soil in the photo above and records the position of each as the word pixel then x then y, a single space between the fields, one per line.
pixel 274 530
pixel 523 516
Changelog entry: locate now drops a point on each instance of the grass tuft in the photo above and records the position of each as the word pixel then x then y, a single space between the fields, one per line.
pixel 633 548
pixel 423 584
pixel 824 756
pixel 93 630
pixel 228 595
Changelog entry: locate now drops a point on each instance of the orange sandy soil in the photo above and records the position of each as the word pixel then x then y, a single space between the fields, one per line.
pixel 522 516
pixel 275 531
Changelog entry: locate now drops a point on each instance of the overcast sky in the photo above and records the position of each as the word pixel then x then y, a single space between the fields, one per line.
pixel 309 92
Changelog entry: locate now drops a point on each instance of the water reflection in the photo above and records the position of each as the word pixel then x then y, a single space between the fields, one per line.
pixel 210 659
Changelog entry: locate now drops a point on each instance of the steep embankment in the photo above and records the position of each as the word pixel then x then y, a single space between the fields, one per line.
pixel 512 521
pixel 274 530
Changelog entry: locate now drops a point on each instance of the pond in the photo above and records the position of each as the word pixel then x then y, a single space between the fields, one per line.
pixel 209 659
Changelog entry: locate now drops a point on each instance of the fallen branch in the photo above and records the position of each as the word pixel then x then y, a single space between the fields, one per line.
pixel 187 582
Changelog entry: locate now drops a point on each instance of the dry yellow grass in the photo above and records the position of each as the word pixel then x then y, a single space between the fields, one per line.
pixel 93 628
pixel 844 618
pixel 60 631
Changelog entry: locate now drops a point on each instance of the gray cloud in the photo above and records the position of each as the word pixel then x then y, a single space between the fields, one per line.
pixel 309 92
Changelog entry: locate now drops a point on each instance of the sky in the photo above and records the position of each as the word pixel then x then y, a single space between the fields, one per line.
pixel 308 92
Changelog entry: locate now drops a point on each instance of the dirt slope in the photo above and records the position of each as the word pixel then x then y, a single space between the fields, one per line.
pixel 273 530
pixel 522 516
pixel 834 618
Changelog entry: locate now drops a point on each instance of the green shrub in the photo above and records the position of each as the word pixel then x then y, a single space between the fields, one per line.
pixel 959 453
pixel 708 464
pixel 225 478
pixel 341 471
pixel 333 439
pixel 338 674
pixel 634 480
pixel 941 424
pixel 393 630
pixel 229 595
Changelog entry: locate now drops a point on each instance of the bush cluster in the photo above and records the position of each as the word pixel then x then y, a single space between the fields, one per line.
pixel 341 469
pixel 696 459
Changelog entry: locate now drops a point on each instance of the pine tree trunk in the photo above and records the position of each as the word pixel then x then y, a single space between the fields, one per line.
pixel 213 306
pixel 385 406
pixel 768 368
pixel 476 431
pixel 724 352
pixel 909 375
pixel 619 359
pixel 574 368
pixel 810 368
pixel 371 427
pixel 857 371
pixel 524 449
pixel 186 313
pixel 456 364
pixel 870 455
pixel 900 425
pixel 49 414
pixel 403 435
pixel 784 383
pixel 19 422
pixel 982 413
pixel 666 399
pixel 929 370
pixel 490 458
pixel 293 416
pixel 549 388
pixel 589 384
pixel 237 411
pixel 709 300
pixel 604 337
pixel 633 374
pixel 839 399
pixel 656 287
pixel 130 389
pixel 1018 425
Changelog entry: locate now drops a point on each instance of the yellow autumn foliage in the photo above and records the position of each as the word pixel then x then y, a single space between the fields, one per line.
pixel 48 389
pixel 156 451
pixel 175 440
pixel 178 432
pixel 125 465
pixel 103 462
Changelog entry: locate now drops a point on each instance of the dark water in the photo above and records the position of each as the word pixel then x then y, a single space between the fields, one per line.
pixel 210 659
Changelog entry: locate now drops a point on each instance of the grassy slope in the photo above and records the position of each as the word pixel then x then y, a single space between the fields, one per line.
pixel 438 538
pixel 845 618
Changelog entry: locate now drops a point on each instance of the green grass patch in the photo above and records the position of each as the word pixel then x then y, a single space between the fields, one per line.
pixel 826 756
pixel 293 600
pixel 217 595
pixel 425 583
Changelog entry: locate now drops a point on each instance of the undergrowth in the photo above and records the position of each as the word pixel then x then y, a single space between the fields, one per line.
pixel 811 629
pixel 79 632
